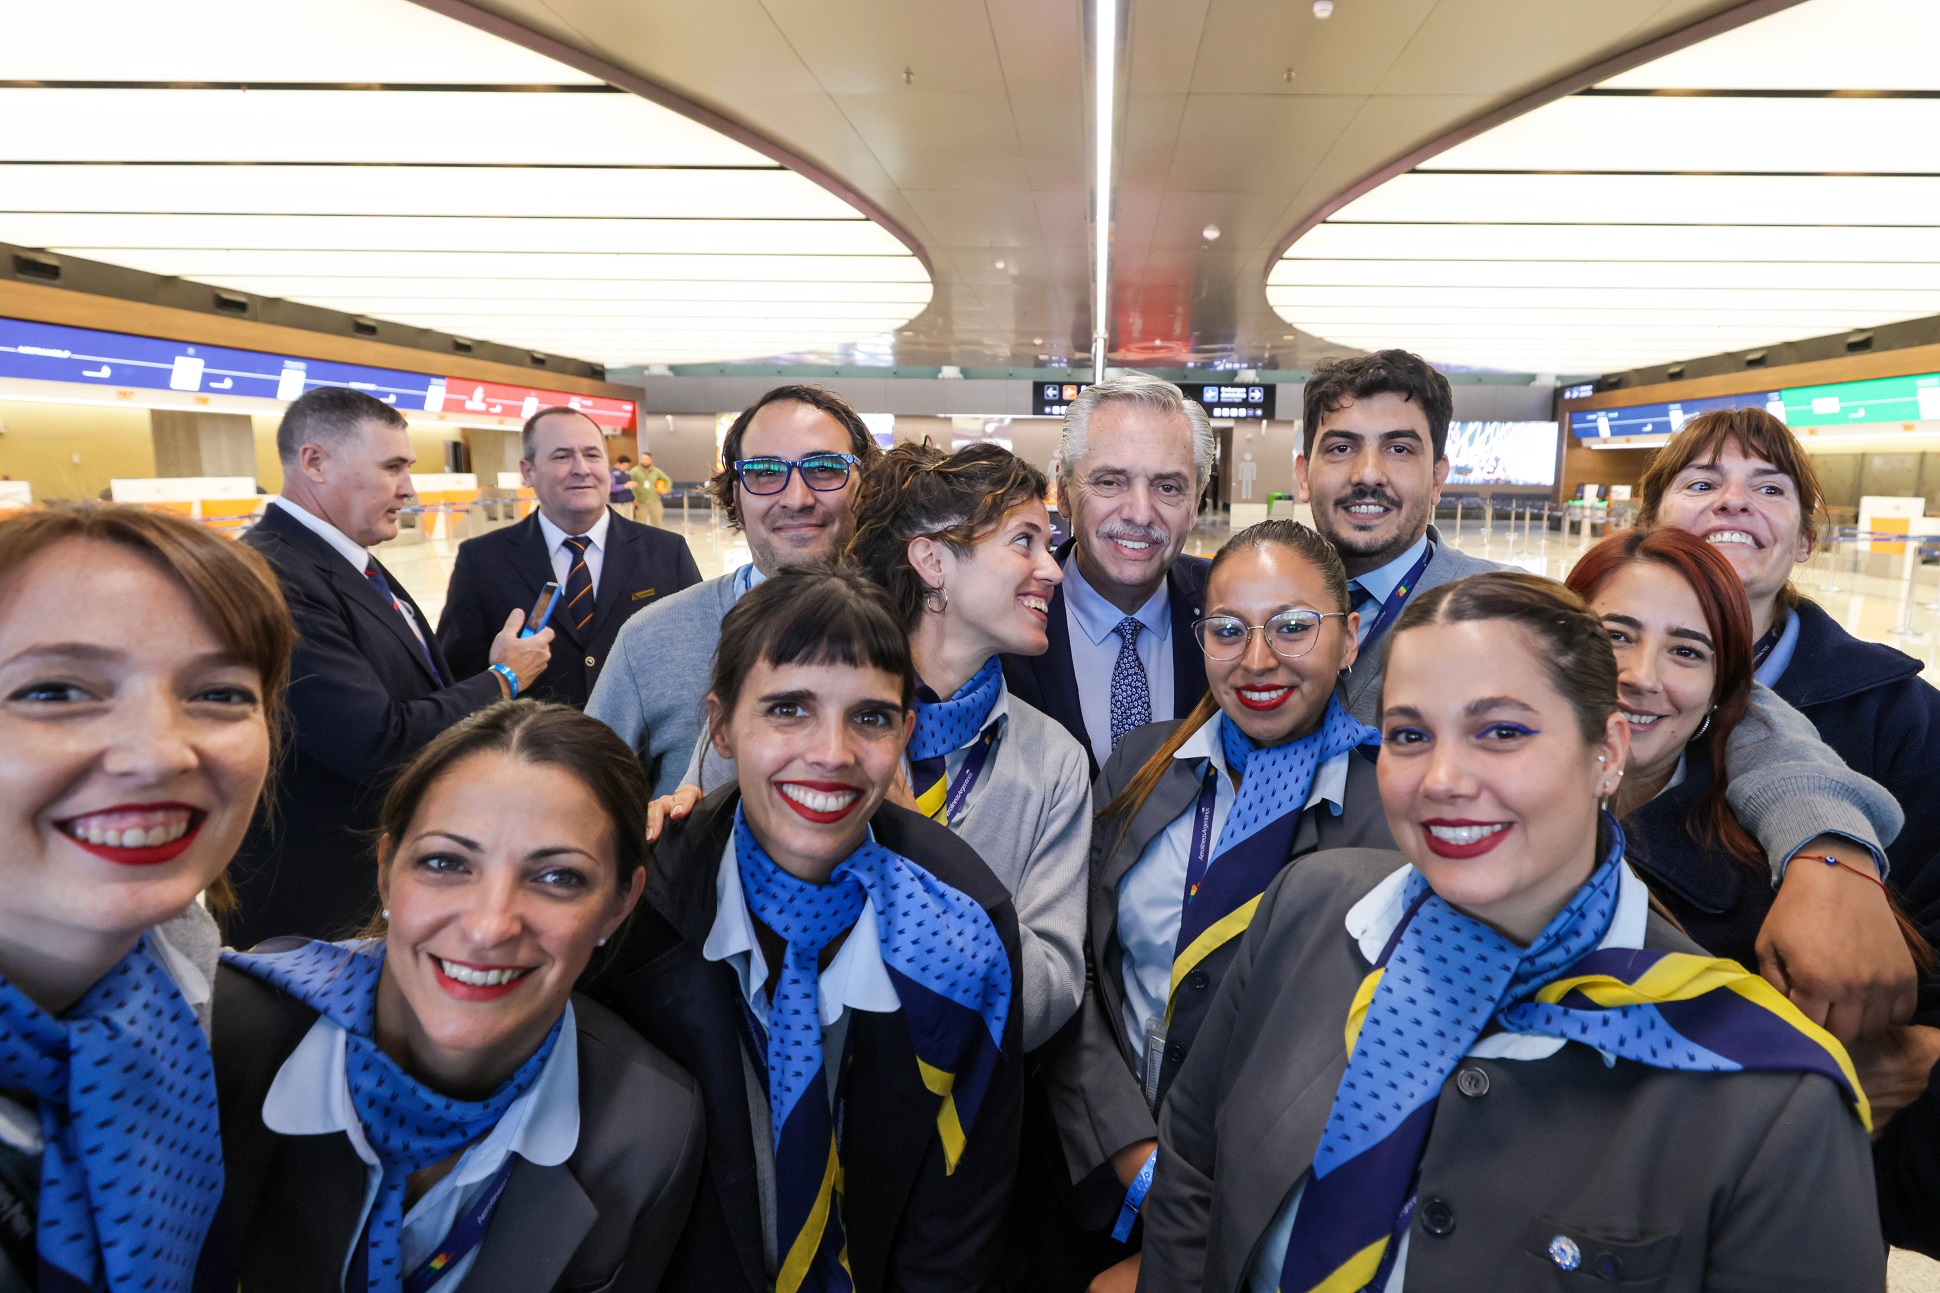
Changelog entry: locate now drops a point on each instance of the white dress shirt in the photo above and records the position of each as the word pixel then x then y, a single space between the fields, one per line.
pixel 311 1097
pixel 1371 923
pixel 562 556
pixel 350 550
pixel 1095 646
pixel 1152 894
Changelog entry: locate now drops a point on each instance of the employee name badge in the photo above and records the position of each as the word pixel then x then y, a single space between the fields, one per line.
pixel 1154 1060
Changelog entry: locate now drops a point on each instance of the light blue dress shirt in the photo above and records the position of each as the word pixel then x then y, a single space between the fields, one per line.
pixel 953 761
pixel 1152 894
pixel 311 1097
pixel 1782 652
pixel 1371 923
pixel 1381 582
pixel 1094 652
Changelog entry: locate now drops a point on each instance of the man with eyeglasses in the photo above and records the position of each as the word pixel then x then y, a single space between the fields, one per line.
pixel 789 469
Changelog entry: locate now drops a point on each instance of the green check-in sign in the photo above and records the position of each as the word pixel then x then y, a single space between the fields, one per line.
pixel 1889 399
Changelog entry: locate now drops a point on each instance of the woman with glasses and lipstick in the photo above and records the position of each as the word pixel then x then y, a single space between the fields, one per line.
pixel 839 973
pixel 1483 1062
pixel 434 1107
pixel 142 663
pixel 1198 816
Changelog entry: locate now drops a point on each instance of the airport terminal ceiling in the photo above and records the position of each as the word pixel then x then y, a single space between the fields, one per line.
pixel 892 183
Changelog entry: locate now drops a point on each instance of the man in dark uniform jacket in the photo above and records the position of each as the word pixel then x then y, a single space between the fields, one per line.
pixel 606 566
pixel 369 685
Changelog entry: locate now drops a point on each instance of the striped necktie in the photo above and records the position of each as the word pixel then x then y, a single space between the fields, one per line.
pixel 383 587
pixel 579 584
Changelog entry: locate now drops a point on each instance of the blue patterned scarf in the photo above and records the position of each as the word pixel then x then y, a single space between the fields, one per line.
pixel 409 1125
pixel 1257 838
pixel 952 978
pixel 944 727
pixel 132 1170
pixel 1670 1010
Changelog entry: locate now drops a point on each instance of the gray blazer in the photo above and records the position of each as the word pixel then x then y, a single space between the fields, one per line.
pixel 653 690
pixel 1673 1182
pixel 1096 1086
pixel 604 1220
pixel 1364 679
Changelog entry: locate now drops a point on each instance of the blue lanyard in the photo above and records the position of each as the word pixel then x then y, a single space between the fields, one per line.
pixel 967 776
pixel 1202 821
pixel 1397 598
pixel 464 1237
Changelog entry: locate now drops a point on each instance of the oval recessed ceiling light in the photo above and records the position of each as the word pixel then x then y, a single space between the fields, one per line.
pixel 1000 264
pixel 1323 8
pixel 1210 233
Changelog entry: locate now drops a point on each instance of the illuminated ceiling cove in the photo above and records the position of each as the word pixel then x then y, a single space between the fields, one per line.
pixel 1777 182
pixel 374 157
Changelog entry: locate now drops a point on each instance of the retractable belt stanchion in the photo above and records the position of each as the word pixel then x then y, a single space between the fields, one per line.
pixel 1458 523
pixel 1909 565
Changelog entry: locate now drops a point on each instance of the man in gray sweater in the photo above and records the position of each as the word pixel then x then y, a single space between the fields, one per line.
pixel 791 462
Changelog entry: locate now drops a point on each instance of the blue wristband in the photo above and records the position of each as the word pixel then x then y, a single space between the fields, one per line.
pixel 1134 1198
pixel 511 679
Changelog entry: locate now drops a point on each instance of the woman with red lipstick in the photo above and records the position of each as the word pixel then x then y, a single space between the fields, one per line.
pixel 1483 1064
pixel 1677 617
pixel 839 973
pixel 434 1106
pixel 1198 817
pixel 142 661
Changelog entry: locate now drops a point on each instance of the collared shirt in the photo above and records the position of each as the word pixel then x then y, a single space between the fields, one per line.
pixel 1380 583
pixel 1371 923
pixel 1151 896
pixel 745 579
pixel 1782 652
pixel 311 1097
pixel 352 551
pixel 953 761
pixel 562 556
pixel 1094 652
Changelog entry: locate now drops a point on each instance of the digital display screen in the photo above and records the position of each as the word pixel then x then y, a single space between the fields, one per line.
pixel 1889 399
pixel 54 353
pixel 1502 453
pixel 1664 419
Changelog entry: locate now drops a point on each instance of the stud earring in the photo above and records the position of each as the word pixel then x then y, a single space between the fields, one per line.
pixel 602 942
pixel 385 914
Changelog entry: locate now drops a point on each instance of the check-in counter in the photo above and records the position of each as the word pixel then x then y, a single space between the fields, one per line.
pixel 229 504
pixel 444 499
pixel 524 499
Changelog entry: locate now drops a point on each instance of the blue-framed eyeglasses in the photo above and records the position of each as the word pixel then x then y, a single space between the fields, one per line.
pixel 821 472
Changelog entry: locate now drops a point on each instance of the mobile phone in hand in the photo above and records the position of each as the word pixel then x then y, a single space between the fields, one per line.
pixel 541 610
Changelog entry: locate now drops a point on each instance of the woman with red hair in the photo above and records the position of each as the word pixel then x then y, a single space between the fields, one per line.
pixel 1681 626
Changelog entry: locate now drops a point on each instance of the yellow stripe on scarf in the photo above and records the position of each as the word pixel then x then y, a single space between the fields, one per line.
pixel 948 1126
pixel 1680 976
pixel 1210 940
pixel 801 1253
pixel 1354 1274
pixel 930 802
pixel 1357 1009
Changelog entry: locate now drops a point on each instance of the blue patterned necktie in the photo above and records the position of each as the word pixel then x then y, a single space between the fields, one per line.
pixel 409 1125
pixel 132 1169
pixel 1131 695
pixel 953 982
pixel 944 727
pixel 1444 977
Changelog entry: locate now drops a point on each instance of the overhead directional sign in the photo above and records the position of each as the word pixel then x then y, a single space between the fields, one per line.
pixel 1663 419
pixel 1237 402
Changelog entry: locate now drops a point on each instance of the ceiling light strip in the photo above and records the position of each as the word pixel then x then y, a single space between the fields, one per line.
pixel 1104 44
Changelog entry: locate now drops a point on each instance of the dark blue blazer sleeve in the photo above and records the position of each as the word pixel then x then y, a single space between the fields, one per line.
pixel 464 630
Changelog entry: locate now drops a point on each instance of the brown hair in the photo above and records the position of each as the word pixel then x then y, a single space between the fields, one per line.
pixel 1304 543
pixel 1758 435
pixel 919 492
pixel 1336 383
pixel 1727 617
pixel 811 614
pixel 861 443
pixel 230 586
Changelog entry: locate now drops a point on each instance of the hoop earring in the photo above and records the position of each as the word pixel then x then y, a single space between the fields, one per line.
pixel 1705 726
pixel 936 599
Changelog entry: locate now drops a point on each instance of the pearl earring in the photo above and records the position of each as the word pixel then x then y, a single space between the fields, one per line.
pixel 602 942
pixel 385 914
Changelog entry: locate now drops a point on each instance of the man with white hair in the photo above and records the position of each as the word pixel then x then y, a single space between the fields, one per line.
pixel 1133 462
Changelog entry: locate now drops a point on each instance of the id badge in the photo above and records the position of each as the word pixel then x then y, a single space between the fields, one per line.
pixel 1154 1060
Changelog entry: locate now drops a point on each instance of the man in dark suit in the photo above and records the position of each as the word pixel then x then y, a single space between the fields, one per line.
pixel 606 566
pixel 369 684
pixel 1134 459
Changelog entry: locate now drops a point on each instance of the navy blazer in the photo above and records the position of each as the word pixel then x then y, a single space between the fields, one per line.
pixel 912 1227
pixel 503 571
pixel 1050 681
pixel 362 701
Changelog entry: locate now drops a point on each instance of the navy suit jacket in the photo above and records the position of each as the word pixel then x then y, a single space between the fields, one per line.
pixel 362 701
pixel 1050 682
pixel 503 571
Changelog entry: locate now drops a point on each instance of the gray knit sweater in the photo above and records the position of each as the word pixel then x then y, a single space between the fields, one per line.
pixel 653 691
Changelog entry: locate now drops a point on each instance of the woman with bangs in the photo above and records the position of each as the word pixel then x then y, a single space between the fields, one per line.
pixel 839 973
pixel 142 665
pixel 1680 625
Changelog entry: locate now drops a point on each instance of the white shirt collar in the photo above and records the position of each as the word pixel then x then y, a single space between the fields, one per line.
pixel 1371 923
pixel 1098 617
pixel 1330 778
pixel 855 979
pixel 556 536
pixel 352 552
pixel 311 1097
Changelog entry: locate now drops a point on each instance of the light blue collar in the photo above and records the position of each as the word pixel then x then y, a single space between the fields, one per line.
pixel 745 579
pixel 1098 617
pixel 1381 582
pixel 1787 645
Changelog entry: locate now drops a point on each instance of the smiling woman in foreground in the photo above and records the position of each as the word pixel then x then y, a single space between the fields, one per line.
pixel 434 1106
pixel 1596 1097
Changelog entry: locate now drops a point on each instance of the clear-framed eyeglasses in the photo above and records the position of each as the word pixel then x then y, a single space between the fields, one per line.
pixel 1291 634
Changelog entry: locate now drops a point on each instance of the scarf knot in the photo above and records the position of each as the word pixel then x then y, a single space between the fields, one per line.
pixel 944 726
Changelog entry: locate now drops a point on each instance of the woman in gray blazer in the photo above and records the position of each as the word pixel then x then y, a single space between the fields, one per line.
pixel 1196 817
pixel 433 1107
pixel 1484 1063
